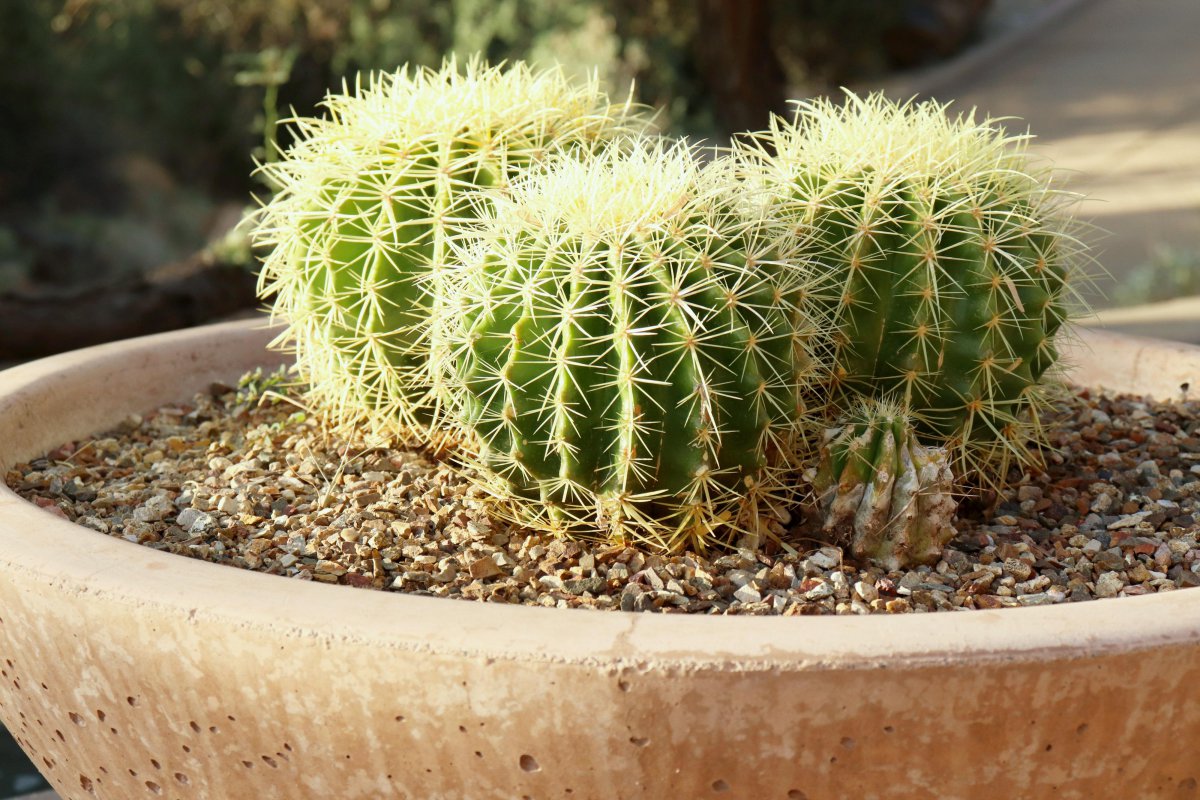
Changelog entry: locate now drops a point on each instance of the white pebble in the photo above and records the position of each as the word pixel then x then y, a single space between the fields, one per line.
pixel 819 592
pixel 841 584
pixel 866 591
pixel 748 594
pixel 826 558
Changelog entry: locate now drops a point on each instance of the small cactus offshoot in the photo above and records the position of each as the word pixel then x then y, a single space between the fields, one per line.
pixel 946 265
pixel 880 493
pixel 628 353
pixel 370 197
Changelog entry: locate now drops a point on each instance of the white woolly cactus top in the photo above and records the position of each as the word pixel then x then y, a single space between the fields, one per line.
pixel 900 139
pixel 888 146
pixel 472 103
pixel 630 185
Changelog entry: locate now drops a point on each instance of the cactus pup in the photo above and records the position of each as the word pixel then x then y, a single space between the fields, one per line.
pixel 368 200
pixel 884 496
pixel 626 350
pixel 946 265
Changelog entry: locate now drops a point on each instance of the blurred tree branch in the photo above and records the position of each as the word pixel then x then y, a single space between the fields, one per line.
pixel 43 322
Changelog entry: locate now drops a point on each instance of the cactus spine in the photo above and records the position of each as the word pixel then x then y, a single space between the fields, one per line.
pixel 882 494
pixel 369 198
pixel 628 352
pixel 945 262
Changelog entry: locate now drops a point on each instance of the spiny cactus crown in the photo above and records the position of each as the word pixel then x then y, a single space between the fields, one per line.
pixel 945 260
pixel 627 351
pixel 369 198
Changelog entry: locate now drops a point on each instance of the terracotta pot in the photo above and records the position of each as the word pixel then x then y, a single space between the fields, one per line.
pixel 127 673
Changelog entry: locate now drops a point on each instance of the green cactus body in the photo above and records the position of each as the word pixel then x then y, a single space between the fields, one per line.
pixel 368 201
pixel 628 352
pixel 881 493
pixel 945 266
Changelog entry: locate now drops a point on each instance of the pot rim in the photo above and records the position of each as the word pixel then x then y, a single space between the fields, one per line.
pixel 68 558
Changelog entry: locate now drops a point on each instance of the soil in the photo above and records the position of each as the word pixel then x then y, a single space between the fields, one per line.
pixel 241 476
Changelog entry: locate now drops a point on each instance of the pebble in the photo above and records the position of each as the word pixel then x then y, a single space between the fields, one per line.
pixel 1128 521
pixel 156 509
pixel 840 583
pixel 740 577
pixel 483 568
pixel 1109 584
pixel 1114 514
pixel 596 586
pixel 1019 569
pixel 203 523
pixel 826 558
pixel 748 594
pixel 820 591
pixel 866 591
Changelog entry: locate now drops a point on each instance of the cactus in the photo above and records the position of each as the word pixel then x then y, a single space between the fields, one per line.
pixel 946 264
pixel 881 493
pixel 627 352
pixel 369 198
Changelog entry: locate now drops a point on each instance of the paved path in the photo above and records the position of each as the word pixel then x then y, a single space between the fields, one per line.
pixel 1112 90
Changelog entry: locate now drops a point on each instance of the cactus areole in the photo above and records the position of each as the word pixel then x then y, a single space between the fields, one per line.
pixel 369 198
pixel 629 351
pixel 944 261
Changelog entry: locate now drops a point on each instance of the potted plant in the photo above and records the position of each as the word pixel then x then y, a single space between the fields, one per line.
pixel 127 671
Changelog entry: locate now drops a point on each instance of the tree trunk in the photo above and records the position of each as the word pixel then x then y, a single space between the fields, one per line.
pixel 734 54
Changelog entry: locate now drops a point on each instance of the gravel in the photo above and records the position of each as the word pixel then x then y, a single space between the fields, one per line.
pixel 242 478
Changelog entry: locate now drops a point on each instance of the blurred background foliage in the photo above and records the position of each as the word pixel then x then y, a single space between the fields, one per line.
pixel 129 128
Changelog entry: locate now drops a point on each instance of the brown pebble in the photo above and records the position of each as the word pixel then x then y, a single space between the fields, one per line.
pixel 482 568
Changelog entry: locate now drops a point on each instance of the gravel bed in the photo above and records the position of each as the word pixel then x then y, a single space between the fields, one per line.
pixel 242 478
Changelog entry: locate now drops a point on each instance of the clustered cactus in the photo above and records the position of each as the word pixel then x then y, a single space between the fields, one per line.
pixel 630 345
